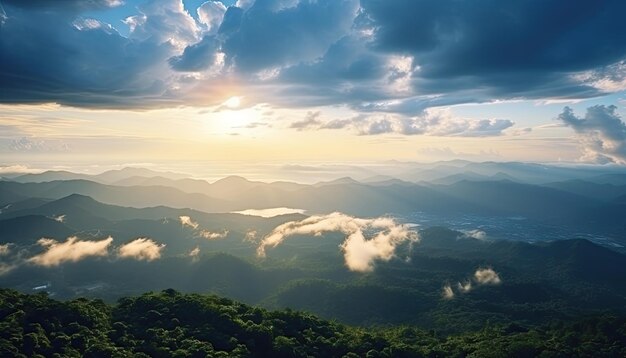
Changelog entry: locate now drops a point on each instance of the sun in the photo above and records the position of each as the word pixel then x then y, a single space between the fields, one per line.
pixel 233 102
pixel 231 120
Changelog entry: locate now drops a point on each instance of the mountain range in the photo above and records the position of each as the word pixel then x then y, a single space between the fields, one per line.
pixel 187 237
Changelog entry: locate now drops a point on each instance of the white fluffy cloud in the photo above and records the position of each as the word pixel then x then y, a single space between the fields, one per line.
pixel 244 4
pixel 465 286
pixel 72 250
pixel 187 221
pixel 4 249
pixel 474 234
pixel 250 236
pixel 482 276
pixel 211 14
pixel 164 21
pixel 486 276
pixel 447 292
pixel 360 252
pixel 601 133
pixel 141 249
pixel 198 231
pixel 60 218
pixel 195 253
pixel 205 234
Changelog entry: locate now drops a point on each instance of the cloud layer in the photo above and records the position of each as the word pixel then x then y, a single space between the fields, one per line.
pixel 432 122
pixel 382 56
pixel 360 253
pixel 71 250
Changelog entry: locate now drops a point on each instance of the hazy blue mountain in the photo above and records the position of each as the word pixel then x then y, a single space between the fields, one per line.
pixel 510 198
pixel 51 175
pixel 531 173
pixel 8 196
pixel 187 185
pixel 502 197
pixel 606 217
pixel 84 211
pixel 233 183
pixel 377 179
pixel 339 181
pixel 26 230
pixel 352 198
pixel 286 186
pixel 29 203
pixel 590 189
pixel 469 175
pixel 107 177
pixel 78 211
pixel 620 200
pixel 135 196
pixel 112 176
pixel 390 182
pixel 614 179
pixel 432 172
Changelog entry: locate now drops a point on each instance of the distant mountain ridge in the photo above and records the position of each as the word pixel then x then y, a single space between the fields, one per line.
pixel 580 202
pixel 107 177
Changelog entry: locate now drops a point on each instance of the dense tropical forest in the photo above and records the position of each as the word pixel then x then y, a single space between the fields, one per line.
pixel 172 324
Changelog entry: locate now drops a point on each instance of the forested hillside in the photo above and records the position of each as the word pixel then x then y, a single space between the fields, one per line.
pixel 171 324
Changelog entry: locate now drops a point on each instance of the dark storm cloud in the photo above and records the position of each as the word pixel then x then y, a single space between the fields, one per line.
pixel 60 56
pixel 496 36
pixel 232 20
pixel 462 53
pixel 466 53
pixel 510 46
pixel 49 58
pixel 348 73
pixel 346 60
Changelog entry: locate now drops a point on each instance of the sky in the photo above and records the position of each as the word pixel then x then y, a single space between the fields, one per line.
pixel 295 81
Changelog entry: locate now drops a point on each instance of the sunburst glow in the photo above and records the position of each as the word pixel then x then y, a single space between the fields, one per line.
pixel 233 102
